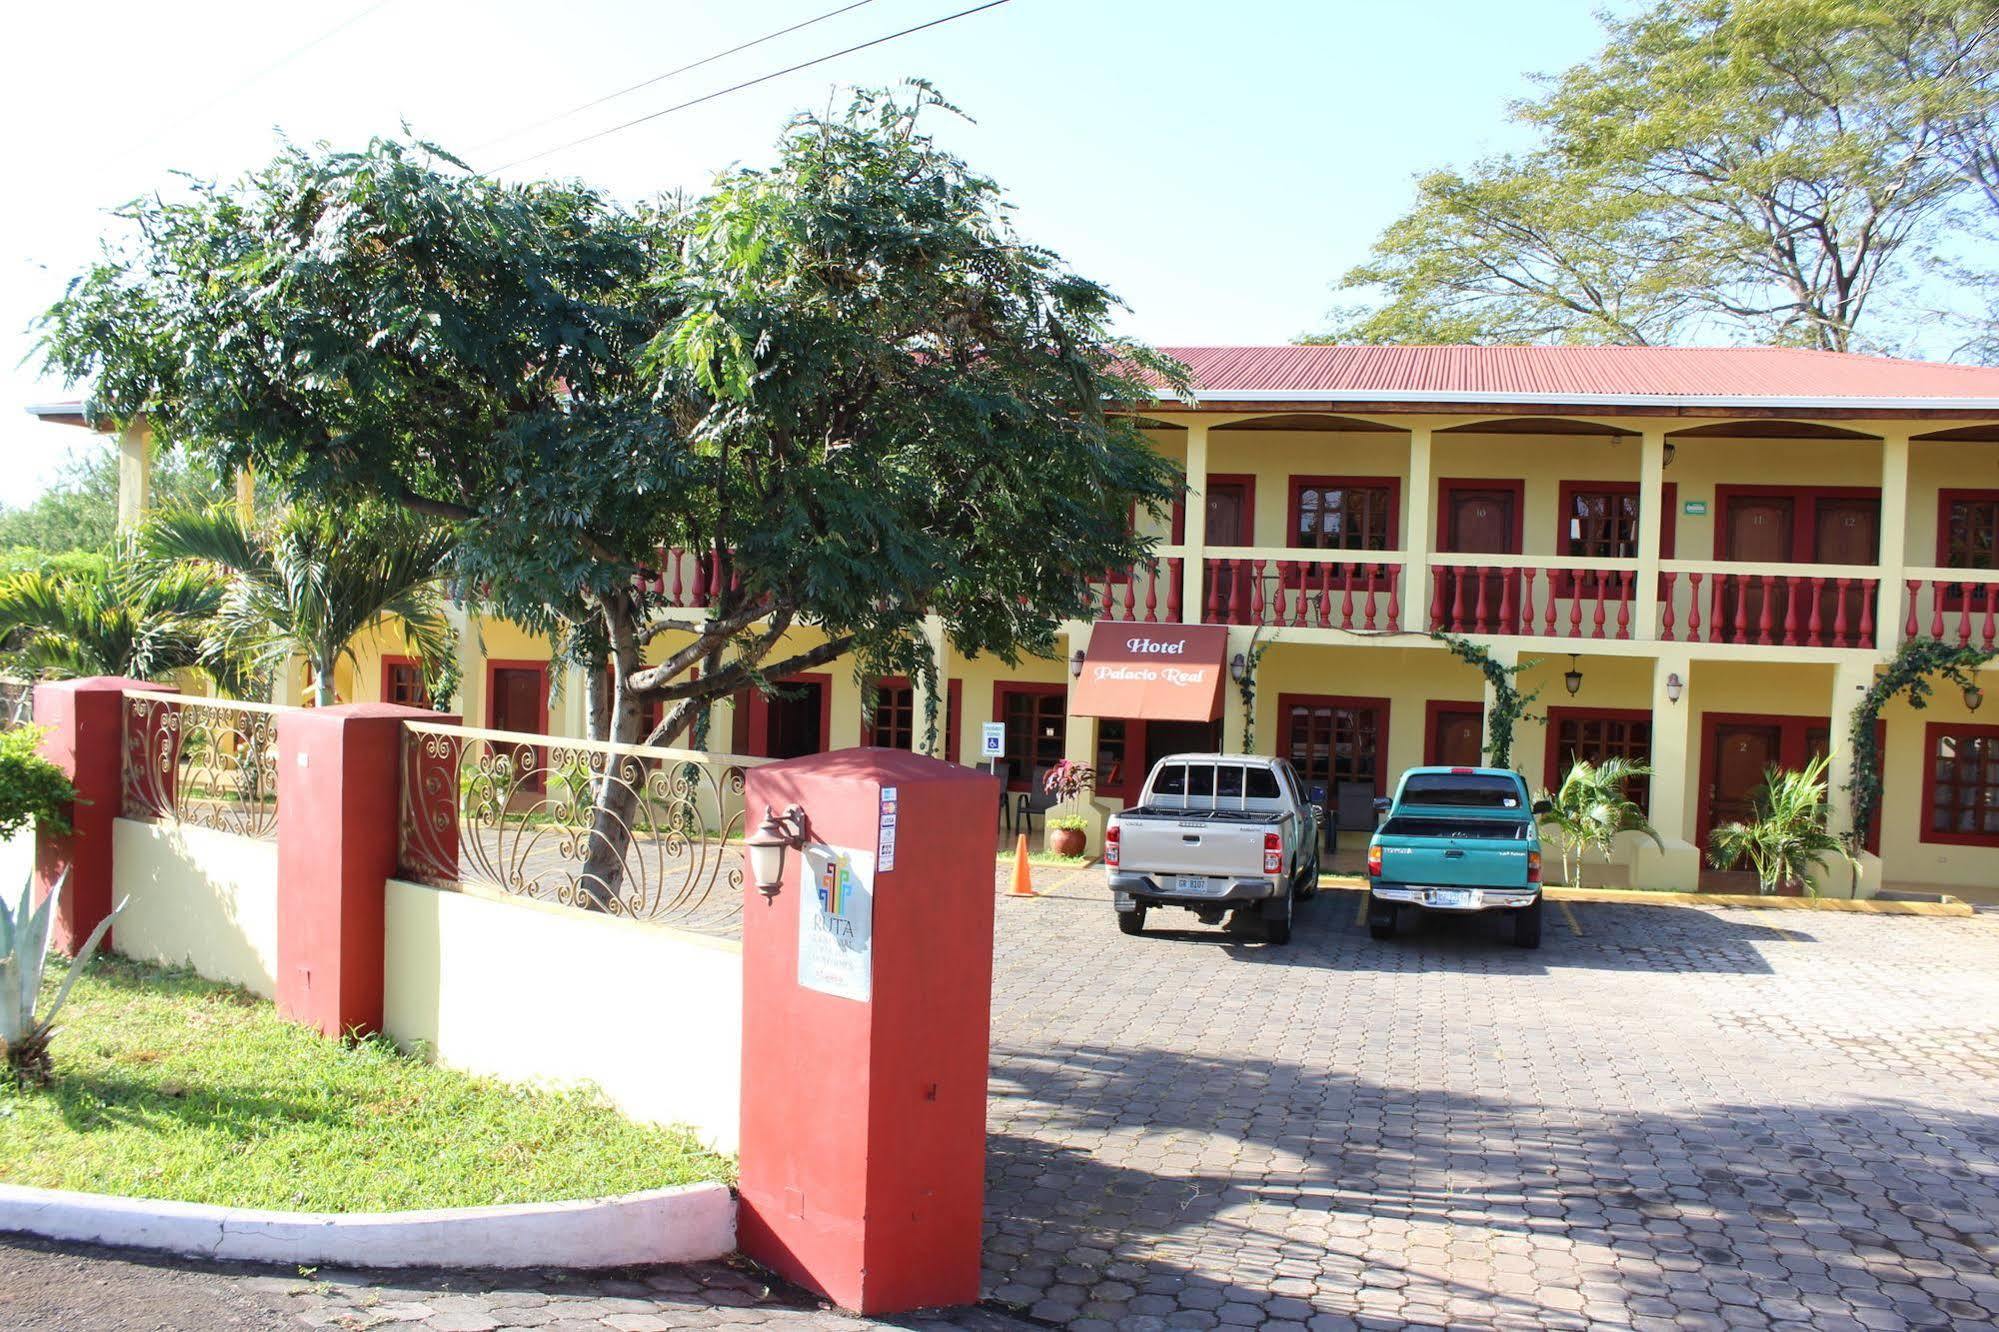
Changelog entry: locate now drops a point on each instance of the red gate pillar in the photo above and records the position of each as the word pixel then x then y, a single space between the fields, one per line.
pixel 85 721
pixel 339 809
pixel 867 986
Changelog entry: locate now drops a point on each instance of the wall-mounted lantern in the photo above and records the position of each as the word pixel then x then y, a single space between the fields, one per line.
pixel 1238 667
pixel 1675 686
pixel 1076 663
pixel 1974 698
pixel 767 845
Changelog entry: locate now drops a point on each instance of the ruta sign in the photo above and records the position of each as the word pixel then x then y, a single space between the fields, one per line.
pixel 1155 672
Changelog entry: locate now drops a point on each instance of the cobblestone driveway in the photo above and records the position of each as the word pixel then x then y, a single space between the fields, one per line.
pixel 1665 1118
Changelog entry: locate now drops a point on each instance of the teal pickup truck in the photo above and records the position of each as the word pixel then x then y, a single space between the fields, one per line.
pixel 1457 840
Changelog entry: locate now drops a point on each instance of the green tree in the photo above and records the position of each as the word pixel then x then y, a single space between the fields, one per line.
pixel 842 379
pixel 80 511
pixel 91 615
pixel 1591 807
pixel 1765 170
pixel 1785 836
pixel 308 582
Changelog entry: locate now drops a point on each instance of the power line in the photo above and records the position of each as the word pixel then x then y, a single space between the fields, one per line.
pixel 265 71
pixel 746 83
pixel 671 73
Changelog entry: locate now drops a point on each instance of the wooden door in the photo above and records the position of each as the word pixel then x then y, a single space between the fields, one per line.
pixel 1336 747
pixel 1741 754
pixel 793 719
pixel 518 703
pixel 1759 532
pixel 1229 525
pixel 1483 521
pixel 1457 739
pixel 1845 531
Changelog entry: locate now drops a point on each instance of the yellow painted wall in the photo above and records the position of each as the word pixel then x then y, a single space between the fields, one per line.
pixel 198 898
pixel 1908 858
pixel 1943 466
pixel 534 993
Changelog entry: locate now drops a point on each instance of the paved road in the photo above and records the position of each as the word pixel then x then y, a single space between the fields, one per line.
pixel 1665 1118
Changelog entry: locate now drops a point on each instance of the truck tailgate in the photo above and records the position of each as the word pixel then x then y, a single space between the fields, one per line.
pixel 1446 853
pixel 1163 844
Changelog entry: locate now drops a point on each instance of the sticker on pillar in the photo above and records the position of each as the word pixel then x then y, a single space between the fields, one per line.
pixel 836 923
pixel 885 844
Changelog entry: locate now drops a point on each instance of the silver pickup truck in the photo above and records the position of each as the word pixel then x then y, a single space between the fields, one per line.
pixel 1215 833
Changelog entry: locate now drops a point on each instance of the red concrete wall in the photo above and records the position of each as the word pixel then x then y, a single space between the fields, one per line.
pixel 339 804
pixel 85 721
pixel 863 1124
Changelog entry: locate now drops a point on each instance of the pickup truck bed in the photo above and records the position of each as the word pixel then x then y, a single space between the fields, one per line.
pixel 1457 840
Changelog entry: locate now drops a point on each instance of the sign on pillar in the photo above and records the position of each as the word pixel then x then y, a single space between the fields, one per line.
pixel 867 979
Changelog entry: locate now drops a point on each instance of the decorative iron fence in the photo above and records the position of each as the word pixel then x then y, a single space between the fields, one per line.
pixel 208 762
pixel 17 704
pixel 523 814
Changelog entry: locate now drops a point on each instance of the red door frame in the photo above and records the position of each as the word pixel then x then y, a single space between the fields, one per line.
pixel 1669 512
pixel 1804 515
pixel 1951 596
pixel 757 732
pixel 1285 702
pixel 1447 527
pixel 862 738
pixel 953 697
pixel 1552 761
pixel 1792 752
pixel 1393 484
pixel 1247 480
pixel 540 668
pixel 1434 712
pixel 1019 781
pixel 389 665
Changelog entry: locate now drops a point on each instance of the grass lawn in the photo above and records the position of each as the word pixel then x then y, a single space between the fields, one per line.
pixel 1049 858
pixel 169 1086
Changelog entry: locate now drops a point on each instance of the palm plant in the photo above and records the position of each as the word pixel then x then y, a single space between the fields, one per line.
pixel 1785 837
pixel 94 615
pixel 1592 806
pixel 311 580
pixel 24 954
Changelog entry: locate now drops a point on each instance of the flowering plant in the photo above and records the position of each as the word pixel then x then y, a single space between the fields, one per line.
pixel 1070 781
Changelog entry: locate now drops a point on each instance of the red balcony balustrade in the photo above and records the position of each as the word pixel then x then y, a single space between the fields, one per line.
pixel 1962 614
pixel 1768 610
pixel 1303 594
pixel 1551 603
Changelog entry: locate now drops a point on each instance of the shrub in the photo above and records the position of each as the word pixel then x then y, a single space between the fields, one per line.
pixel 33 791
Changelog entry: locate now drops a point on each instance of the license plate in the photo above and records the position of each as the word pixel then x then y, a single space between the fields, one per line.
pixel 1190 883
pixel 1453 898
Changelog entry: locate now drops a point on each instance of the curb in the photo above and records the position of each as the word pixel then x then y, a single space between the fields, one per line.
pixel 692 1223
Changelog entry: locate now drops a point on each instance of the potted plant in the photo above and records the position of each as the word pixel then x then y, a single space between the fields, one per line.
pixel 1785 837
pixel 1591 808
pixel 1068 783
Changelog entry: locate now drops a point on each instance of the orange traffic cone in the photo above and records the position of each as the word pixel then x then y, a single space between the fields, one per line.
pixel 1023 880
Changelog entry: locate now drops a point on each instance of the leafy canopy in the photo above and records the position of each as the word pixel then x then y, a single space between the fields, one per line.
pixel 843 376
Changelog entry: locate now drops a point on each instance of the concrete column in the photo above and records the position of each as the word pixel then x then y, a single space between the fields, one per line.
pixel 1079 745
pixel 1676 760
pixel 867 985
pixel 1419 531
pixel 83 725
pixel 135 474
pixel 1651 522
pixel 1893 557
pixel 1241 639
pixel 938 694
pixel 1195 528
pixel 1850 681
pixel 1508 657
pixel 246 495
pixel 339 810
pixel 570 710
pixel 471 700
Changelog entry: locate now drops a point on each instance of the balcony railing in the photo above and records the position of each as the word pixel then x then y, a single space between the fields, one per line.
pixel 1833 606
pixel 1304 589
pixel 1150 594
pixel 1552 597
pixel 1958 606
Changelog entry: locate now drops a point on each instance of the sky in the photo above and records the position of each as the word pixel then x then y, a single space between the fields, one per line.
pixel 1217 165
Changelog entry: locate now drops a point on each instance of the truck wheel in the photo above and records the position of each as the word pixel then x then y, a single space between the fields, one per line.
pixel 1381 919
pixel 1277 919
pixel 1527 925
pixel 1308 885
pixel 1132 921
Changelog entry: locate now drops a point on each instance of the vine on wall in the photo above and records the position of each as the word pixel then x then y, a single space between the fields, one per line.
pixel 1246 687
pixel 1915 669
pixel 1509 705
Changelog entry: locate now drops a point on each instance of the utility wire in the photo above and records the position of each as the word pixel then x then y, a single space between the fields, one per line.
pixel 746 83
pixel 671 73
pixel 264 71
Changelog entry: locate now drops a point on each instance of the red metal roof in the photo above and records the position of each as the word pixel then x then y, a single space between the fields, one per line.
pixel 1717 375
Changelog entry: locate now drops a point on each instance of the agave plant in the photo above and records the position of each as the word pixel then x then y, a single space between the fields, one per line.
pixel 1592 807
pixel 24 953
pixel 1785 837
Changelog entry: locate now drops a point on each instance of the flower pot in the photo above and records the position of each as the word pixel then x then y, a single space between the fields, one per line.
pixel 1067 841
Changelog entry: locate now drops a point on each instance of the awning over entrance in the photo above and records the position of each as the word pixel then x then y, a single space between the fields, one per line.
pixel 1157 672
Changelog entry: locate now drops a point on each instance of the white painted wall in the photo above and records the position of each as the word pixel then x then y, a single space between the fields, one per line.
pixel 535 993
pixel 199 898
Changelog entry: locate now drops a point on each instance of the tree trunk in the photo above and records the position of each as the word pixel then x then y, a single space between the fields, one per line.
pixel 596 704
pixel 323 693
pixel 617 800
